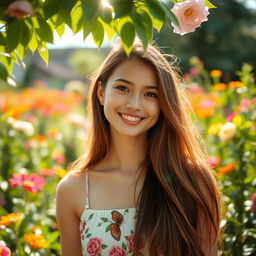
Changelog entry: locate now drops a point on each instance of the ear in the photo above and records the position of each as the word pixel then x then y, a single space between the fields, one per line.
pixel 100 93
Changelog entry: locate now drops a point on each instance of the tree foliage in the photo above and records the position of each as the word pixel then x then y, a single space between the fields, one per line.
pixel 124 18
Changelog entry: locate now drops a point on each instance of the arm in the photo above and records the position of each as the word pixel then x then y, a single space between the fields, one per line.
pixel 67 219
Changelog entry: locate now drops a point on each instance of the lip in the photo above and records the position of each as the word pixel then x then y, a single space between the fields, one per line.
pixel 132 123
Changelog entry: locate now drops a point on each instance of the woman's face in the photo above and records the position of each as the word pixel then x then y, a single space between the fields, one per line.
pixel 130 98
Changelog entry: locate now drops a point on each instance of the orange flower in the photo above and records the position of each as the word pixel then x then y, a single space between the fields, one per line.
pixel 226 168
pixel 207 112
pixel 236 84
pixel 220 87
pixel 216 73
pixel 40 138
pixel 35 241
pixel 11 217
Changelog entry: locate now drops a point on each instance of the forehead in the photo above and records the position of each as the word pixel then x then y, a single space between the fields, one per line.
pixel 135 71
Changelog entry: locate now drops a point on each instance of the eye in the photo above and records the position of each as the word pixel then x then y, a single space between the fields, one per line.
pixel 122 88
pixel 151 95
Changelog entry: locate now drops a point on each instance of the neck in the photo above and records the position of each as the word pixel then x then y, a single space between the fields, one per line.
pixel 126 153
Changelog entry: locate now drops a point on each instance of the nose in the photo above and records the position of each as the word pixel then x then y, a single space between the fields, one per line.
pixel 134 102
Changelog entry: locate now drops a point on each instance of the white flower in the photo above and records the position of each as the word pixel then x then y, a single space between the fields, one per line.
pixel 227 132
pixel 23 126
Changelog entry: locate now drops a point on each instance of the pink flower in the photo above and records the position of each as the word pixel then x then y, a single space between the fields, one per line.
pixel 253 198
pixel 213 161
pixel 4 250
pixel 190 15
pixel 230 117
pixel 94 246
pixel 19 9
pixel 117 251
pixel 244 105
pixel 130 242
pixel 32 183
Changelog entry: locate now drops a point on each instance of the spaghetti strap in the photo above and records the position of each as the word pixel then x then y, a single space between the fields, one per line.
pixel 86 191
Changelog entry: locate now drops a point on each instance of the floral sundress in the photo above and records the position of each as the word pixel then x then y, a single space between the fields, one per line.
pixel 107 232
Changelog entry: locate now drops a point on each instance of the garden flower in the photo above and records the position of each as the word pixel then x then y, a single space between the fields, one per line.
pixel 220 87
pixel 244 105
pixel 78 120
pixel 11 217
pixel 35 241
pixel 190 14
pixel 227 131
pixel 226 168
pixel 4 250
pixel 216 73
pixel 253 199
pixel 213 161
pixel 32 183
pixel 61 172
pixel 55 134
pixel 214 129
pixel 23 126
pixel 236 84
pixel 230 117
pixel 19 9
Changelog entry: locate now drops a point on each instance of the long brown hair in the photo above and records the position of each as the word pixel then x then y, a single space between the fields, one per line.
pixel 179 192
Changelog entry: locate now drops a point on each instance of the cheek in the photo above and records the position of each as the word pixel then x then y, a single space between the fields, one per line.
pixel 154 109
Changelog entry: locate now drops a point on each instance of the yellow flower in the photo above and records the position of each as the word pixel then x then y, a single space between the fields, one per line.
pixel 11 217
pixel 214 129
pixel 216 73
pixel 236 84
pixel 226 168
pixel 61 172
pixel 220 87
pixel 35 241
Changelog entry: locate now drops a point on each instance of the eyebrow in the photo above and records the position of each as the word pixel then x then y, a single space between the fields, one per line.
pixel 131 83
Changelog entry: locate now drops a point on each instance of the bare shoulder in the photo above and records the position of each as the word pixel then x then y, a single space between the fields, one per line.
pixel 70 190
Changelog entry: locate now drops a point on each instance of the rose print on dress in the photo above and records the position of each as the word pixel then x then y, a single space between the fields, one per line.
pixel 117 251
pixel 130 242
pixel 94 246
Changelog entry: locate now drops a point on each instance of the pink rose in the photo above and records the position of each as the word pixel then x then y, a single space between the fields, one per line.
pixel 4 250
pixel 190 15
pixel 117 251
pixel 253 198
pixel 19 9
pixel 130 242
pixel 94 246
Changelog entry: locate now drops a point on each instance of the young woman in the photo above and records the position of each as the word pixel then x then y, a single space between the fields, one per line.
pixel 144 187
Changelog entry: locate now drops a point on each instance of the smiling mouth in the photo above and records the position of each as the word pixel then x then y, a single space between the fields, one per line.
pixel 131 118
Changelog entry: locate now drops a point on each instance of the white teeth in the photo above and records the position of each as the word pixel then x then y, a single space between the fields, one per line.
pixel 131 118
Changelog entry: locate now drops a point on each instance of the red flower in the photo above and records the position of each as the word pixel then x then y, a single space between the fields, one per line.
pixel 130 242
pixel 32 183
pixel 253 198
pixel 117 251
pixel 83 226
pixel 94 246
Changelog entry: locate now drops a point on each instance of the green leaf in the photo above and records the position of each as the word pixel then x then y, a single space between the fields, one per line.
pixel 77 18
pixel 104 246
pixel 13 35
pixel 209 4
pixel 104 219
pixel 60 29
pixel 33 42
pixel 3 72
pixel 124 246
pixel 90 10
pixel 122 7
pixel 45 32
pixel 91 215
pixel 50 8
pixel 127 35
pixel 156 9
pixel 98 33
pixel 43 52
pixel 106 15
pixel 171 17
pixel 110 31
pixel 2 39
pixel 108 228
